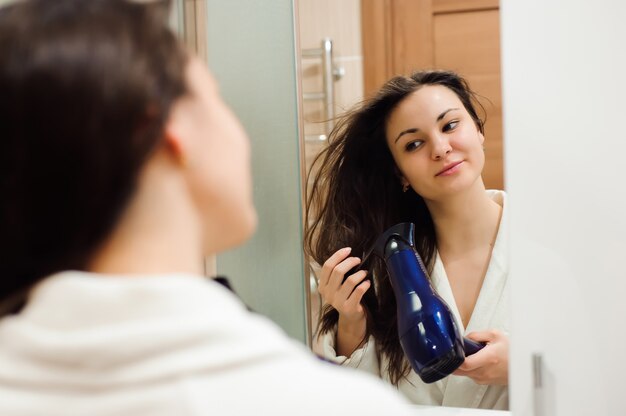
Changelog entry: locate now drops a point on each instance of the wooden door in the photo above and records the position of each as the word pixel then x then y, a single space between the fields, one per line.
pixel 401 36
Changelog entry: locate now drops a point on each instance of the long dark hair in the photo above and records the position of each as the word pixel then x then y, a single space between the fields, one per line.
pixel 85 89
pixel 356 194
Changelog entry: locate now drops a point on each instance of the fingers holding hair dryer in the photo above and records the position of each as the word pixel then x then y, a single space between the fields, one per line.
pixel 490 364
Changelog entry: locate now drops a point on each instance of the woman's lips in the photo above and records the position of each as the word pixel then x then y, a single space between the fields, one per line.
pixel 450 169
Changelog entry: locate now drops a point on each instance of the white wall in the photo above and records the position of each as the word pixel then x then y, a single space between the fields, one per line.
pixel 564 90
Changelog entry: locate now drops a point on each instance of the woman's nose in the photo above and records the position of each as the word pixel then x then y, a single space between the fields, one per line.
pixel 440 147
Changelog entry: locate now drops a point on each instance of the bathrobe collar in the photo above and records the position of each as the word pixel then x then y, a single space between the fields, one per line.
pixel 488 305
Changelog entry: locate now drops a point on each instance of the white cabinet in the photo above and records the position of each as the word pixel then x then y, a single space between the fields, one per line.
pixel 564 90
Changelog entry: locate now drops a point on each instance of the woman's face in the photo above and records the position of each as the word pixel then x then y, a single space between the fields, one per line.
pixel 435 143
pixel 217 162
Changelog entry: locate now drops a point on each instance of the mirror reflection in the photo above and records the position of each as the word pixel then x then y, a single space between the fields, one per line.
pixel 385 144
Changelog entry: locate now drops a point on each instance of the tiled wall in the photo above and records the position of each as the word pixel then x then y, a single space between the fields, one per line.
pixel 341 22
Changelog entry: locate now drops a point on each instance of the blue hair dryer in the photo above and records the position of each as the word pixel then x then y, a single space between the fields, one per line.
pixel 428 333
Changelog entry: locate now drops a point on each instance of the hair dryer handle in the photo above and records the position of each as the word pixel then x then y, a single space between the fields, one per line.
pixel 472 347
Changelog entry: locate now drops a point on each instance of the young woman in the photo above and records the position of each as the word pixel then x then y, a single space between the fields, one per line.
pixel 413 153
pixel 121 168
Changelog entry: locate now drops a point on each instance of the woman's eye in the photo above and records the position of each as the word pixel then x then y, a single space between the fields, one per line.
pixel 413 145
pixel 451 125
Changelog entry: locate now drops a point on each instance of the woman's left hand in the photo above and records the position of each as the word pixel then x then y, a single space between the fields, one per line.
pixel 490 365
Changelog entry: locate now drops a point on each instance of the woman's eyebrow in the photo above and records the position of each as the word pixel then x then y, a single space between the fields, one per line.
pixel 413 130
pixel 442 115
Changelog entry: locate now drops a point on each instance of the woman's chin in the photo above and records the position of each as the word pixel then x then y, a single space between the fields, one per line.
pixel 235 234
pixel 252 223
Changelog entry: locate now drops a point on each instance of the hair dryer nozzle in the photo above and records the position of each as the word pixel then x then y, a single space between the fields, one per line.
pixel 398 237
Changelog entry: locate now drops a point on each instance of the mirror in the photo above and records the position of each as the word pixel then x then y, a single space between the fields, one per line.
pixel 350 48
pixel 259 55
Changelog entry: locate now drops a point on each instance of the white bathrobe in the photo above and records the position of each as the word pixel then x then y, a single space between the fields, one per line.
pixel 491 312
pixel 165 345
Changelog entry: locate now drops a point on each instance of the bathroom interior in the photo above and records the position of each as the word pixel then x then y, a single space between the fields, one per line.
pixel 289 67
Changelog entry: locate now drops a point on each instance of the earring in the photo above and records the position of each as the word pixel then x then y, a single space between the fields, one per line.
pixel 405 187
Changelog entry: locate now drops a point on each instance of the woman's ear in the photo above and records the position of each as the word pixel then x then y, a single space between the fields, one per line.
pixel 178 132
pixel 405 184
pixel 175 145
pixel 403 181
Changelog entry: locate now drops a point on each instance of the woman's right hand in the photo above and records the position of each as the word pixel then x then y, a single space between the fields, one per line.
pixel 345 297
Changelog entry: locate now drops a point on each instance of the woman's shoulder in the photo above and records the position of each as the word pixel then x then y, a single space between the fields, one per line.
pixel 496 194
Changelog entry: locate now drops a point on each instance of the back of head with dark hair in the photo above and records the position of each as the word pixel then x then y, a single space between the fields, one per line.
pixel 357 194
pixel 85 89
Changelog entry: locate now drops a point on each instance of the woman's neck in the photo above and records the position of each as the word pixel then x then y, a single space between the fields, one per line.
pixel 159 232
pixel 465 221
